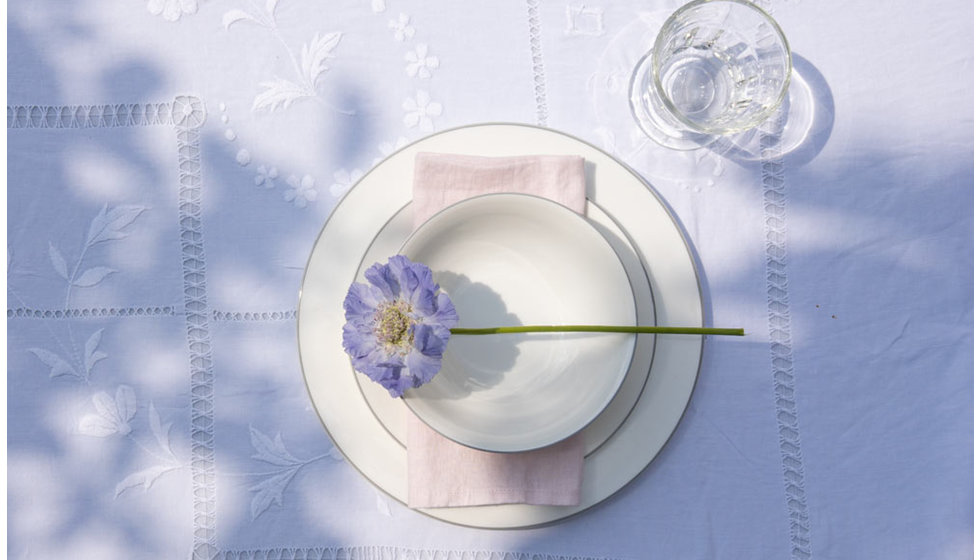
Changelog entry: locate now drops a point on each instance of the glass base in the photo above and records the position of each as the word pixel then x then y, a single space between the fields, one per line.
pixel 653 118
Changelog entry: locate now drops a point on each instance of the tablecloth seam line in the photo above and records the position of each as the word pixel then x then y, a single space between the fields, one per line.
pixel 197 325
pixel 92 312
pixel 537 62
pixel 107 115
pixel 247 316
pixel 780 338
pixel 384 552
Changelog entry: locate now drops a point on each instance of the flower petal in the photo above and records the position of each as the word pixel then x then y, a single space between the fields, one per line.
pixel 401 270
pixel 398 382
pixel 361 302
pixel 423 368
pixel 417 284
pixel 383 277
pixel 446 313
pixel 358 341
pixel 442 317
pixel 425 361
pixel 427 343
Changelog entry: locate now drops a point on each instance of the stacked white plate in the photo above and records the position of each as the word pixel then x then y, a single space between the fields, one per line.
pixel 651 384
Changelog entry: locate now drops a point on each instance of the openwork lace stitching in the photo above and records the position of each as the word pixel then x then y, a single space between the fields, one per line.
pixel 289 315
pixel 389 553
pixel 780 339
pixel 89 116
pixel 90 312
pixel 537 62
pixel 198 329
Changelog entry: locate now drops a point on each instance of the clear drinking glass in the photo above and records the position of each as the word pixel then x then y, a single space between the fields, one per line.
pixel 718 67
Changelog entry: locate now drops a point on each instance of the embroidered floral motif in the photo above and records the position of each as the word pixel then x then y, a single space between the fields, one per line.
pixel 110 224
pixel 388 148
pixel 311 66
pixel 243 157
pixel 171 10
pixel 378 6
pixel 279 92
pixel 583 21
pixel 302 191
pixel 164 454
pixel 420 63
pixel 61 366
pixel 420 110
pixel 266 177
pixel 402 27
pixel 263 19
pixel 112 414
pixel 344 180
pixel 270 488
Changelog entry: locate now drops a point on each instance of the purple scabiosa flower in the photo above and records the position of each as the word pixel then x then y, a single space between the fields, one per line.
pixel 398 324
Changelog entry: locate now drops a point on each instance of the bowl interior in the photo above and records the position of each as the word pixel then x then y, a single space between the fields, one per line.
pixel 507 260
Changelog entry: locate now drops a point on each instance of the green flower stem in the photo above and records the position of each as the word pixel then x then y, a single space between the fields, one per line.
pixel 599 328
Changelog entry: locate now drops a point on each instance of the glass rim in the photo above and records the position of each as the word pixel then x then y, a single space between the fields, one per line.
pixel 658 44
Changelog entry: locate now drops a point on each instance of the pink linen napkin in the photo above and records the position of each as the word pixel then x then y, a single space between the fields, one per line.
pixel 442 473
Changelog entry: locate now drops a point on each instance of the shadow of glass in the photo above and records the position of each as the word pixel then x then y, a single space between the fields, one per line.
pixel 474 363
pixel 803 123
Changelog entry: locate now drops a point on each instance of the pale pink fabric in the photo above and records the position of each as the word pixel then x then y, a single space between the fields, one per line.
pixel 445 179
pixel 442 473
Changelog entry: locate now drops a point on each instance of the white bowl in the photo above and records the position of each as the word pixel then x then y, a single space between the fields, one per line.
pixel 512 259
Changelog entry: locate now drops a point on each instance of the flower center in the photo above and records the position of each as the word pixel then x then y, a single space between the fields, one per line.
pixel 393 324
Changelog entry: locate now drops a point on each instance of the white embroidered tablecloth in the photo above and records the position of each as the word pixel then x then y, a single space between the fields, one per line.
pixel 170 163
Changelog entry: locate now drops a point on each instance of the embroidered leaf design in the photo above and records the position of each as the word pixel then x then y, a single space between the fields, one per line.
pixel 234 16
pixel 313 57
pixel 270 6
pixel 269 490
pixel 144 478
pixel 125 404
pixel 271 451
pixel 59 366
pixel 92 353
pixel 279 92
pixel 97 425
pixel 105 405
pixel 108 224
pixel 113 414
pixel 58 261
pixel 334 454
pixel 92 276
pixel 160 431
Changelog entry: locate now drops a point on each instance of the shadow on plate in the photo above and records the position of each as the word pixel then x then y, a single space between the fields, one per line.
pixel 475 363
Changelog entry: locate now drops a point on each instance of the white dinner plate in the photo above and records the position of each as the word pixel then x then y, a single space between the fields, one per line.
pixel 515 259
pixel 379 198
